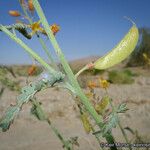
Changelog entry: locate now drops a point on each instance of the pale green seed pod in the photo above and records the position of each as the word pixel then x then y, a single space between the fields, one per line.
pixel 86 123
pixel 121 51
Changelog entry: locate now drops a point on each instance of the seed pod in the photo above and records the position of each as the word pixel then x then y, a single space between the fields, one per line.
pixel 86 123
pixel 30 5
pixel 14 13
pixel 121 51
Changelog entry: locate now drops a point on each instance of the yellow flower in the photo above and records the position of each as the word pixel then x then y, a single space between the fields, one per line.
pixel 55 28
pixel 36 27
pixel 91 84
pixel 30 5
pixel 104 83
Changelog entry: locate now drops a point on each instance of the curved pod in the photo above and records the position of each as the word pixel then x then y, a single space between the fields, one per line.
pixel 121 51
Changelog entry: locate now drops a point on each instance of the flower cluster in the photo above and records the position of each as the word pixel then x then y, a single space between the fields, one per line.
pixel 102 83
pixel 35 26
pixel 100 105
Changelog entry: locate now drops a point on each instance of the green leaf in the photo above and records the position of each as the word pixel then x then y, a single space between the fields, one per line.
pixel 27 93
pixel 120 52
pixel 107 126
pixel 122 108
pixel 112 123
pixel 6 121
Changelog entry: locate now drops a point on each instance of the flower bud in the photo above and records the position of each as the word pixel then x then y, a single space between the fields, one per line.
pixel 14 13
pixel 30 5
pixel 55 28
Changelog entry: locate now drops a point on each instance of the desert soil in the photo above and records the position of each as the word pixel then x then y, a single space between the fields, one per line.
pixel 27 133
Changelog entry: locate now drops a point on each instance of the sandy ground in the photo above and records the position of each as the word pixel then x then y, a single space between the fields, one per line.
pixel 27 133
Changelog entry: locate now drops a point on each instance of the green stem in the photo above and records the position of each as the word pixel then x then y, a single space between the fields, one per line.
pixel 120 126
pixel 92 128
pixel 124 134
pixel 97 138
pixel 54 129
pixel 57 133
pixel 86 67
pixel 25 12
pixel 47 52
pixel 27 49
pixel 80 71
pixel 66 66
pixel 71 77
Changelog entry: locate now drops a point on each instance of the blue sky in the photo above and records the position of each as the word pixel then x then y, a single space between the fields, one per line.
pixel 88 27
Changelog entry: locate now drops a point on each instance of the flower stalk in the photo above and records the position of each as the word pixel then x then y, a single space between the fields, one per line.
pixel 88 66
pixel 40 39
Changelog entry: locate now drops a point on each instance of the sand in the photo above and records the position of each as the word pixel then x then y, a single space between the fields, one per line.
pixel 27 133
